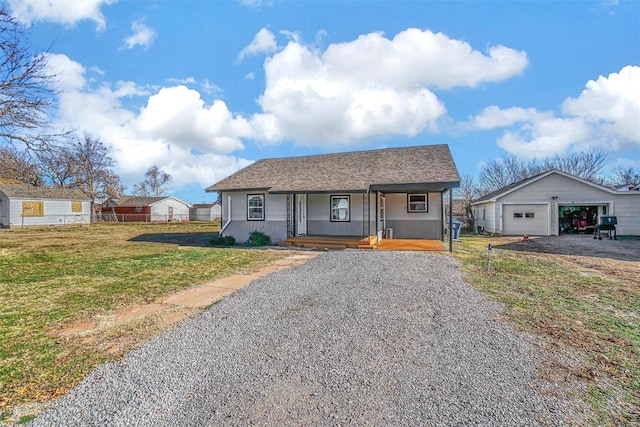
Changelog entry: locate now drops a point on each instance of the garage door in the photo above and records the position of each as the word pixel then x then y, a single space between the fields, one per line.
pixel 525 219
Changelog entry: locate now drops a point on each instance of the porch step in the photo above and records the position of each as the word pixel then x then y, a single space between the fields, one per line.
pixel 328 242
pixel 323 246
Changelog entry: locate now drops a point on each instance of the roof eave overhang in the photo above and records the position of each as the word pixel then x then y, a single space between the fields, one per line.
pixel 334 191
pixel 233 190
pixel 421 186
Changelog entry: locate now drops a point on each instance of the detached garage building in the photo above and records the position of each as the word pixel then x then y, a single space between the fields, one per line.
pixel 23 205
pixel 555 202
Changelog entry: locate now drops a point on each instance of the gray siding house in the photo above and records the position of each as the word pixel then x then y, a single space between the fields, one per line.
pixel 556 202
pixel 387 192
pixel 23 205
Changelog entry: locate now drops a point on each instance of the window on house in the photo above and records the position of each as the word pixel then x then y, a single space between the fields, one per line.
pixel 517 214
pixel 484 213
pixel 138 209
pixel 76 206
pixel 340 208
pixel 255 207
pixel 30 208
pixel 417 203
pixel 529 215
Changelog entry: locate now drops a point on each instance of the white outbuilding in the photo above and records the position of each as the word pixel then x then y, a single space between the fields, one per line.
pixel 24 205
pixel 553 203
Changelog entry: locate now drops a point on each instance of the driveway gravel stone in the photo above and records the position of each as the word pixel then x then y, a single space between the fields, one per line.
pixel 351 337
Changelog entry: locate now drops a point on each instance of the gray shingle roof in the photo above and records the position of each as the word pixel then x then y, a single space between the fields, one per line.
pixel 353 171
pixel 26 191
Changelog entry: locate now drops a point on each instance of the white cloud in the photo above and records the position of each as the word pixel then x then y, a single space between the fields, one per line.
pixel 291 35
pixel 494 117
pixel 211 88
pixel 612 104
pixel 143 35
pixel 371 87
pixel 175 130
pixel 606 114
pixel 186 81
pixel 263 42
pixel 250 76
pixel 545 138
pixel 68 74
pixel 178 116
pixel 66 12
pixel 255 3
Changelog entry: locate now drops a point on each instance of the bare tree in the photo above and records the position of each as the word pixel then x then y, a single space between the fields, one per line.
pixel 155 183
pixel 586 164
pixel 468 191
pixel 626 175
pixel 18 165
pixel 57 164
pixel 93 166
pixel 505 171
pixel 25 87
pixel 508 170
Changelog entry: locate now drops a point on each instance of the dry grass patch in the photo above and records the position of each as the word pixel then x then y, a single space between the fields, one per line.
pixel 52 278
pixel 586 306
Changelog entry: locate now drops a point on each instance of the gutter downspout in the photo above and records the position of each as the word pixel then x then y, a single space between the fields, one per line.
pixel 450 219
pixel 228 215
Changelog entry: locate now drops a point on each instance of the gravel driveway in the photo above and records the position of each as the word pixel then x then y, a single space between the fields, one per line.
pixel 352 337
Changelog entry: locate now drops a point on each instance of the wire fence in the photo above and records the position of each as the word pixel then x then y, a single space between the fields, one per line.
pixel 53 221
pixel 113 217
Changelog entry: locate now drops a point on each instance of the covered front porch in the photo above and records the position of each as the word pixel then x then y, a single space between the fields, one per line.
pixel 362 242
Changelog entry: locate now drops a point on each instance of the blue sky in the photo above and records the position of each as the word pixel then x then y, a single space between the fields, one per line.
pixel 202 88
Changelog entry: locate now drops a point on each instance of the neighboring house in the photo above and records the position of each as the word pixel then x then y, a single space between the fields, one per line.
pixel 556 202
pixel 627 187
pixel 25 205
pixel 396 191
pixel 205 212
pixel 145 209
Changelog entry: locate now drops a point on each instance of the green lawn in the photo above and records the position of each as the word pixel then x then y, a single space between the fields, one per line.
pixel 51 277
pixel 588 312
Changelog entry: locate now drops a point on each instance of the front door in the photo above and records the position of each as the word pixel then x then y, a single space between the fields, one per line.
pixel 170 213
pixel 301 214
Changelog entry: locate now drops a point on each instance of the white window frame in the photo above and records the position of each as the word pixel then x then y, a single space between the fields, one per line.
pixel 261 207
pixel 414 203
pixel 348 208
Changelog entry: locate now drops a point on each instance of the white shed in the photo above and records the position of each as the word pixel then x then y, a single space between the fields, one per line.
pixel 555 202
pixel 205 212
pixel 23 205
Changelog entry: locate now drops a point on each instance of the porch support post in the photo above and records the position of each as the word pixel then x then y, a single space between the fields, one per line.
pixel 368 213
pixel 450 219
pixel 377 212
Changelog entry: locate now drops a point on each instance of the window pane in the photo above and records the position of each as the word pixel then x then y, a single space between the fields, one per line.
pixel 340 202
pixel 255 213
pixel 340 208
pixel 529 215
pixel 517 215
pixel 255 206
pixel 417 202
pixel 255 201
